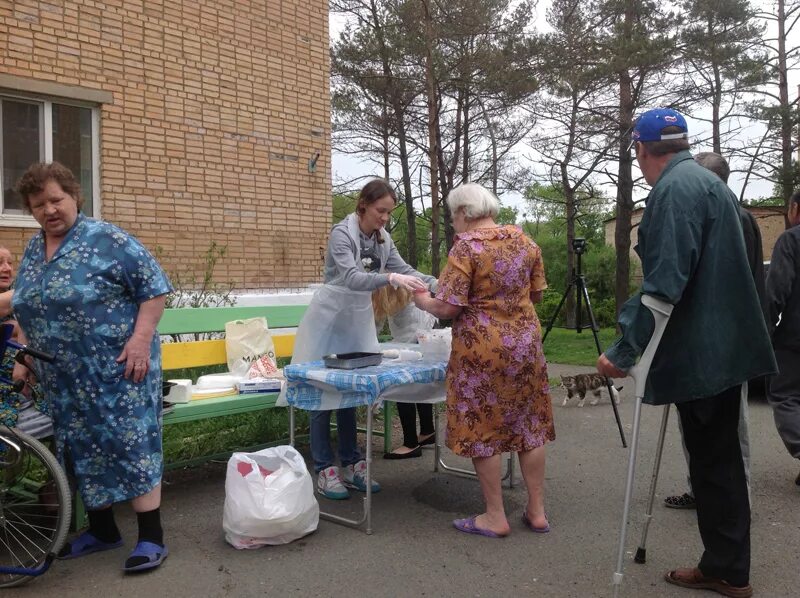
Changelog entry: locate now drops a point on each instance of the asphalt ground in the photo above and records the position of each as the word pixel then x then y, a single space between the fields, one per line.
pixel 415 552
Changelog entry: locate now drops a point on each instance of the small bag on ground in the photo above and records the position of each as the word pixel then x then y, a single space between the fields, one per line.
pixel 269 498
pixel 250 349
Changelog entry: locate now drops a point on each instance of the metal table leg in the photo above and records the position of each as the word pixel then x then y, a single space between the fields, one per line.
pixel 366 517
pixel 388 414
pixel 291 425
pixel 438 461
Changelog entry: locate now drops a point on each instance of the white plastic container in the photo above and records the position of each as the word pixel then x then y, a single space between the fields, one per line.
pixel 435 344
pixel 217 381
pixel 181 392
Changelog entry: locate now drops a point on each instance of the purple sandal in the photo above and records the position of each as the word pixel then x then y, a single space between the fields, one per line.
pixel 533 528
pixel 468 526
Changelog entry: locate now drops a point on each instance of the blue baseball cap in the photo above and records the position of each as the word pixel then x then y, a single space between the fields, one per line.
pixel 649 125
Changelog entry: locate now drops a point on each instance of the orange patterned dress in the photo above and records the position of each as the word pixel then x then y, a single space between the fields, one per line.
pixel 498 397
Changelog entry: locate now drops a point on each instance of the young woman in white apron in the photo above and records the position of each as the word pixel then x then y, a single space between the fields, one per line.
pixel 361 257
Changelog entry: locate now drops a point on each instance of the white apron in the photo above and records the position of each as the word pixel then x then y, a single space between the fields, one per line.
pixel 339 320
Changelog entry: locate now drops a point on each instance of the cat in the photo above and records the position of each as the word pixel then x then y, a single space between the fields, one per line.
pixel 581 383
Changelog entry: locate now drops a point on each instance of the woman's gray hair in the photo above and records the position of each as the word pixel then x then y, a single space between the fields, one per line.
pixel 476 201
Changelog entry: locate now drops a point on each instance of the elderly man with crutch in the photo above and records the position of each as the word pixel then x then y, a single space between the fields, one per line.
pixel 693 258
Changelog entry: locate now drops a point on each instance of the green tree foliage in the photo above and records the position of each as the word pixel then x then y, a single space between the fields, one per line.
pixel 773 157
pixel 343 206
pixel 721 62
pixel 597 265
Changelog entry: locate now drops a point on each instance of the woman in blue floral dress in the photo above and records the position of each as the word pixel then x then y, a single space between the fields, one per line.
pixel 91 294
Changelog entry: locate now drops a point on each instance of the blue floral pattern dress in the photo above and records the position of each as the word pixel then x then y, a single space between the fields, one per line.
pixel 81 305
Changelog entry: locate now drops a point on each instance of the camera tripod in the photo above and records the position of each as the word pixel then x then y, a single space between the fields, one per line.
pixel 578 282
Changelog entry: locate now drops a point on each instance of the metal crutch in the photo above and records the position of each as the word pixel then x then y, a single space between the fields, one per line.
pixel 641 551
pixel 661 311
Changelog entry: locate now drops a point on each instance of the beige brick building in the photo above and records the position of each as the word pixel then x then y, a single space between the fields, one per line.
pixel 770 221
pixel 188 121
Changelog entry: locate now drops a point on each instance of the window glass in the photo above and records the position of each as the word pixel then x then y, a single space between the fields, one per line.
pixel 72 146
pixel 22 146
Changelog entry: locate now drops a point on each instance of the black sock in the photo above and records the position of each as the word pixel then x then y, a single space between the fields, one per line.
pixel 102 525
pixel 150 527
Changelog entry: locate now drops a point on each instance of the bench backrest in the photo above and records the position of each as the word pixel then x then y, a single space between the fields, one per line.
pixel 188 320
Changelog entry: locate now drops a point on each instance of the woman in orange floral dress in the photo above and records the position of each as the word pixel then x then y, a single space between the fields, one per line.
pixel 498 398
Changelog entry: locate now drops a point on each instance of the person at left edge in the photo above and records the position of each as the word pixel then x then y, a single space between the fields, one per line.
pixel 361 257
pixel 91 294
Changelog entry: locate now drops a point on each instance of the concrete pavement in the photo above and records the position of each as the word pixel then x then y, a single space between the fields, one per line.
pixel 414 552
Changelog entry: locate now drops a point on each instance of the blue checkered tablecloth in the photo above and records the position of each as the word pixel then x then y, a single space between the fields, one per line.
pixel 312 386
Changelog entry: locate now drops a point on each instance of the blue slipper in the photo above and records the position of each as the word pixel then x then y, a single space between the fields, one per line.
pixel 146 555
pixel 85 544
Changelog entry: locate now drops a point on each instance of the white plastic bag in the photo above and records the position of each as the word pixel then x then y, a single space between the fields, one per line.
pixel 249 348
pixel 404 324
pixel 269 498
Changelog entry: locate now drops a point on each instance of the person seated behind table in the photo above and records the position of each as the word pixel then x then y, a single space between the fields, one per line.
pixel 360 258
pixel 498 397
pixel 405 319
pixel 29 414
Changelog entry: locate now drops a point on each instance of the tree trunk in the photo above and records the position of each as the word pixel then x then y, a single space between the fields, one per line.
pixel 466 145
pixel 622 234
pixel 433 157
pixel 411 215
pixel 786 111
pixel 385 138
pixel 398 112
pixel 716 100
pixel 569 199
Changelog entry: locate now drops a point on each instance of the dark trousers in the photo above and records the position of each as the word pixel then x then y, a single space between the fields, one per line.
pixel 783 394
pixel 408 421
pixel 710 430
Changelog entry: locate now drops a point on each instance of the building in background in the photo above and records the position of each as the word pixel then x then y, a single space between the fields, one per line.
pixel 770 221
pixel 187 121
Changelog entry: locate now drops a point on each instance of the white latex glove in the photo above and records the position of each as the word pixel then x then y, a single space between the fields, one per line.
pixel 411 283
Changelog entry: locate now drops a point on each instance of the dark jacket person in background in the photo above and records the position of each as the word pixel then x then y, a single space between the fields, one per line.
pixel 783 313
pixel 755 258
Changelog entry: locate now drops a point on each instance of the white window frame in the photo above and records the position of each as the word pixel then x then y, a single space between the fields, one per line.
pixel 26 220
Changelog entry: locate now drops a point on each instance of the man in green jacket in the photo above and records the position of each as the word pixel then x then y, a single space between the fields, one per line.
pixel 693 256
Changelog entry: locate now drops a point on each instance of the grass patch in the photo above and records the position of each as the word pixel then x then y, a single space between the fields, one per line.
pixel 190 440
pixel 569 347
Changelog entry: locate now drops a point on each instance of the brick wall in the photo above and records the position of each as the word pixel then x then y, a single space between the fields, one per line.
pixel 218 105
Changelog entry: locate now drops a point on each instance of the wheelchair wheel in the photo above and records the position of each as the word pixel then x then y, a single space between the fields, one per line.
pixel 35 506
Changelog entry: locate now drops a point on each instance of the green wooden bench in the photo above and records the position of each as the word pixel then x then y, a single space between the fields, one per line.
pixel 201 353
pixel 185 354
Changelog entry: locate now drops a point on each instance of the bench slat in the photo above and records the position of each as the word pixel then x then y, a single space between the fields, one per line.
pixel 192 354
pixel 231 405
pixel 185 320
